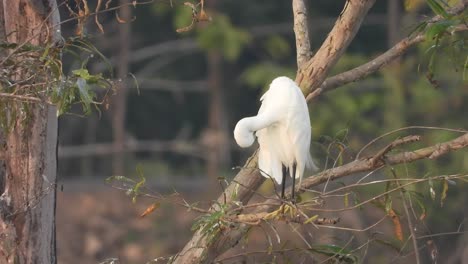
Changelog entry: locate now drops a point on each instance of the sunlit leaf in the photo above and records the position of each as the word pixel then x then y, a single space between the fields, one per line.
pixel 437 8
pixel 411 5
pixel 150 209
pixel 311 219
pixel 436 29
pixel 397 229
pixel 443 194
pixel 84 93
pixel 431 189
pixel 119 179
pixel 388 206
pixel 417 197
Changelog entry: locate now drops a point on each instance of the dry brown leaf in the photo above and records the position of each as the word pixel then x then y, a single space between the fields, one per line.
pixel 396 224
pixel 96 18
pixel 150 209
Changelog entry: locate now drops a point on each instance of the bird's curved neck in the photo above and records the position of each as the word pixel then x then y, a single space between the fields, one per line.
pixel 255 123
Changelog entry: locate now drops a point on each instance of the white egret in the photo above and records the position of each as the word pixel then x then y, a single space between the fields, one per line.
pixel 283 129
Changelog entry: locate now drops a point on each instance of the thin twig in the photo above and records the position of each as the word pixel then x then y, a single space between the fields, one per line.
pixel 407 128
pixel 23 98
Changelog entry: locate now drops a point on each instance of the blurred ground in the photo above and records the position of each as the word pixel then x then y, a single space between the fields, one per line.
pixel 96 222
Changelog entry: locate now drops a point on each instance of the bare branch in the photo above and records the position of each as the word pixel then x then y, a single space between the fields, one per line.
pixel 186 148
pixel 370 67
pixel 348 23
pixel 366 164
pixel 362 165
pixel 256 219
pixel 380 155
pixel 301 30
pixel 387 57
pixel 171 85
pixel 22 97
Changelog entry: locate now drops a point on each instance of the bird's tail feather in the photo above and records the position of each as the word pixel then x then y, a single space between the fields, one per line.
pixel 310 164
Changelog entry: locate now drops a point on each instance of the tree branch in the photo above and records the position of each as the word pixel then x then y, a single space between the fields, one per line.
pixel 357 166
pixel 22 98
pixel 376 64
pixel 301 31
pixel 314 72
pixel 100 149
pixel 310 74
pixel 368 68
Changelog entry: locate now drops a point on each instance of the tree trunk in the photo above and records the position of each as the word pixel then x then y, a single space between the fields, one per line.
pixel 28 166
pixel 218 134
pixel 218 144
pixel 119 105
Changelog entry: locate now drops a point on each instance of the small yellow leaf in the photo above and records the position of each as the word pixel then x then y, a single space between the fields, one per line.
pixel 311 219
pixel 444 192
pixel 433 193
pixel 422 216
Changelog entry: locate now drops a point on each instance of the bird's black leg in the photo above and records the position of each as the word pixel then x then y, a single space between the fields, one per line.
pixel 283 181
pixel 293 175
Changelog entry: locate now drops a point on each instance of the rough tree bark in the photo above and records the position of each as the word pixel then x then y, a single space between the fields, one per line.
pixel 29 165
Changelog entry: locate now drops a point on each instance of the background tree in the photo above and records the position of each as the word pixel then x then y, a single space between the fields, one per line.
pixel 34 91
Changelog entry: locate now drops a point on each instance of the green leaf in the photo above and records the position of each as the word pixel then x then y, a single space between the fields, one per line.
pixel 138 185
pixel 418 198
pixel 311 219
pixel 182 17
pixel 85 93
pixel 119 179
pixel 221 35
pixel 336 252
pixel 277 46
pixel 419 28
pixel 436 29
pixel 82 73
pixel 8 45
pixel 431 189
pixel 437 8
pixel 443 194
pixel 388 206
pixel 393 244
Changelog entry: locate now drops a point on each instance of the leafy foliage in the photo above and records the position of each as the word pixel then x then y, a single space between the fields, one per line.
pixel 42 79
pixel 132 187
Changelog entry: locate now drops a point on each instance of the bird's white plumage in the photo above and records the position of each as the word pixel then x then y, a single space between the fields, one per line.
pixel 283 129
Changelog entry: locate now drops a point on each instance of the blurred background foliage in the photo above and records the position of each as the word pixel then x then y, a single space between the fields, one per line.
pixel 256 43
pixel 187 103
